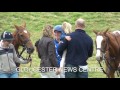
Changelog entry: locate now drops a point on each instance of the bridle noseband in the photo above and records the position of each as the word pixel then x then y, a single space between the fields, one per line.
pixel 106 47
pixel 25 41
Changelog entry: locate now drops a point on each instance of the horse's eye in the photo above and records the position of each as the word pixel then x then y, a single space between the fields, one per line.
pixel 21 35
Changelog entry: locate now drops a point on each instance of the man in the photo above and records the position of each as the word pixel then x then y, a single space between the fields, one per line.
pixel 79 49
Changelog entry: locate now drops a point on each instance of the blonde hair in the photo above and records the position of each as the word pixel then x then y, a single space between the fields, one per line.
pixel 48 31
pixel 67 27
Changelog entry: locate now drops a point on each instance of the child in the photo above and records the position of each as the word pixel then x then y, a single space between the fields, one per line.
pixel 67 27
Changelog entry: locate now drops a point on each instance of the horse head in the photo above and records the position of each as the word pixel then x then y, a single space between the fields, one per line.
pixel 22 38
pixel 101 43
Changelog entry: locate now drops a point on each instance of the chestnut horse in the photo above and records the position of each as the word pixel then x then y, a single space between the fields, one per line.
pixel 108 49
pixel 22 38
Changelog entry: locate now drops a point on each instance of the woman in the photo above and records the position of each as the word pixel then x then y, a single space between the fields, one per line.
pixel 67 29
pixel 46 50
pixel 8 57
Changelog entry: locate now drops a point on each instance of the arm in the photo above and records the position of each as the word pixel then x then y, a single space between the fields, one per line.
pixel 62 47
pixel 91 50
pixel 37 48
pixel 52 54
pixel 36 45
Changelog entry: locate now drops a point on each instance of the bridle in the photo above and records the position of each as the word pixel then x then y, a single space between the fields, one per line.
pixel 24 47
pixel 106 47
pixel 104 50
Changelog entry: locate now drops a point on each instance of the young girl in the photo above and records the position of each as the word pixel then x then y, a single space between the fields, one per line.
pixel 67 27
pixel 8 57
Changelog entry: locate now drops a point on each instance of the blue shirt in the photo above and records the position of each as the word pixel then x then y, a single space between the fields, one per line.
pixel 57 55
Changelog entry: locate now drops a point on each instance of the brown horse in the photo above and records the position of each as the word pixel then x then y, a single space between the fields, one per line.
pixel 108 49
pixel 22 38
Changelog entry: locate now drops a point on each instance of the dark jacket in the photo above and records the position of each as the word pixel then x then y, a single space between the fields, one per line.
pixel 36 45
pixel 46 50
pixel 79 49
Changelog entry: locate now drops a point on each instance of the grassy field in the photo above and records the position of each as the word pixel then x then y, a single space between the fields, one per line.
pixel 35 21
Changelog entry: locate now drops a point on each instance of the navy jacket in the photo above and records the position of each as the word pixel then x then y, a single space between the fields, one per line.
pixel 79 49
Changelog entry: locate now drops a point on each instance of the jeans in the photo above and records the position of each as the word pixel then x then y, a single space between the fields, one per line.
pixel 74 72
pixel 9 75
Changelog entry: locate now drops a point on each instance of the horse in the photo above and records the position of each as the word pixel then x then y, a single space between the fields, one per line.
pixel 22 38
pixel 108 49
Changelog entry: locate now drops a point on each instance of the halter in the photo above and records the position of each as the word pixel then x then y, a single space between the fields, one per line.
pixel 106 48
pixel 24 48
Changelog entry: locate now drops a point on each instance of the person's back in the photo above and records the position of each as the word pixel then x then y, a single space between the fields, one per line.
pixel 79 49
pixel 44 53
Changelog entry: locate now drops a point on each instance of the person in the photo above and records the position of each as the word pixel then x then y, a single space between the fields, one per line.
pixel 67 29
pixel 79 49
pixel 46 50
pixel 8 57
pixel 57 34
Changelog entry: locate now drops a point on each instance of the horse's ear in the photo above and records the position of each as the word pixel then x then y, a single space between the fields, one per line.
pixel 106 31
pixel 24 24
pixel 95 32
pixel 17 27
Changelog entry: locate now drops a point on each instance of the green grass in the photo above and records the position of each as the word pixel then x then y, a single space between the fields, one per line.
pixel 36 20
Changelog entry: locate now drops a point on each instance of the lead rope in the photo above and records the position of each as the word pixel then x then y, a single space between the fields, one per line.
pixel 29 58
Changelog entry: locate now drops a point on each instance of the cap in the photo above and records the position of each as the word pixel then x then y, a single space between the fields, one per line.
pixel 58 28
pixel 6 36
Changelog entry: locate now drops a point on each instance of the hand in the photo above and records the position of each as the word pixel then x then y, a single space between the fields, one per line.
pixel 58 71
pixel 68 38
pixel 60 42
pixel 28 60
